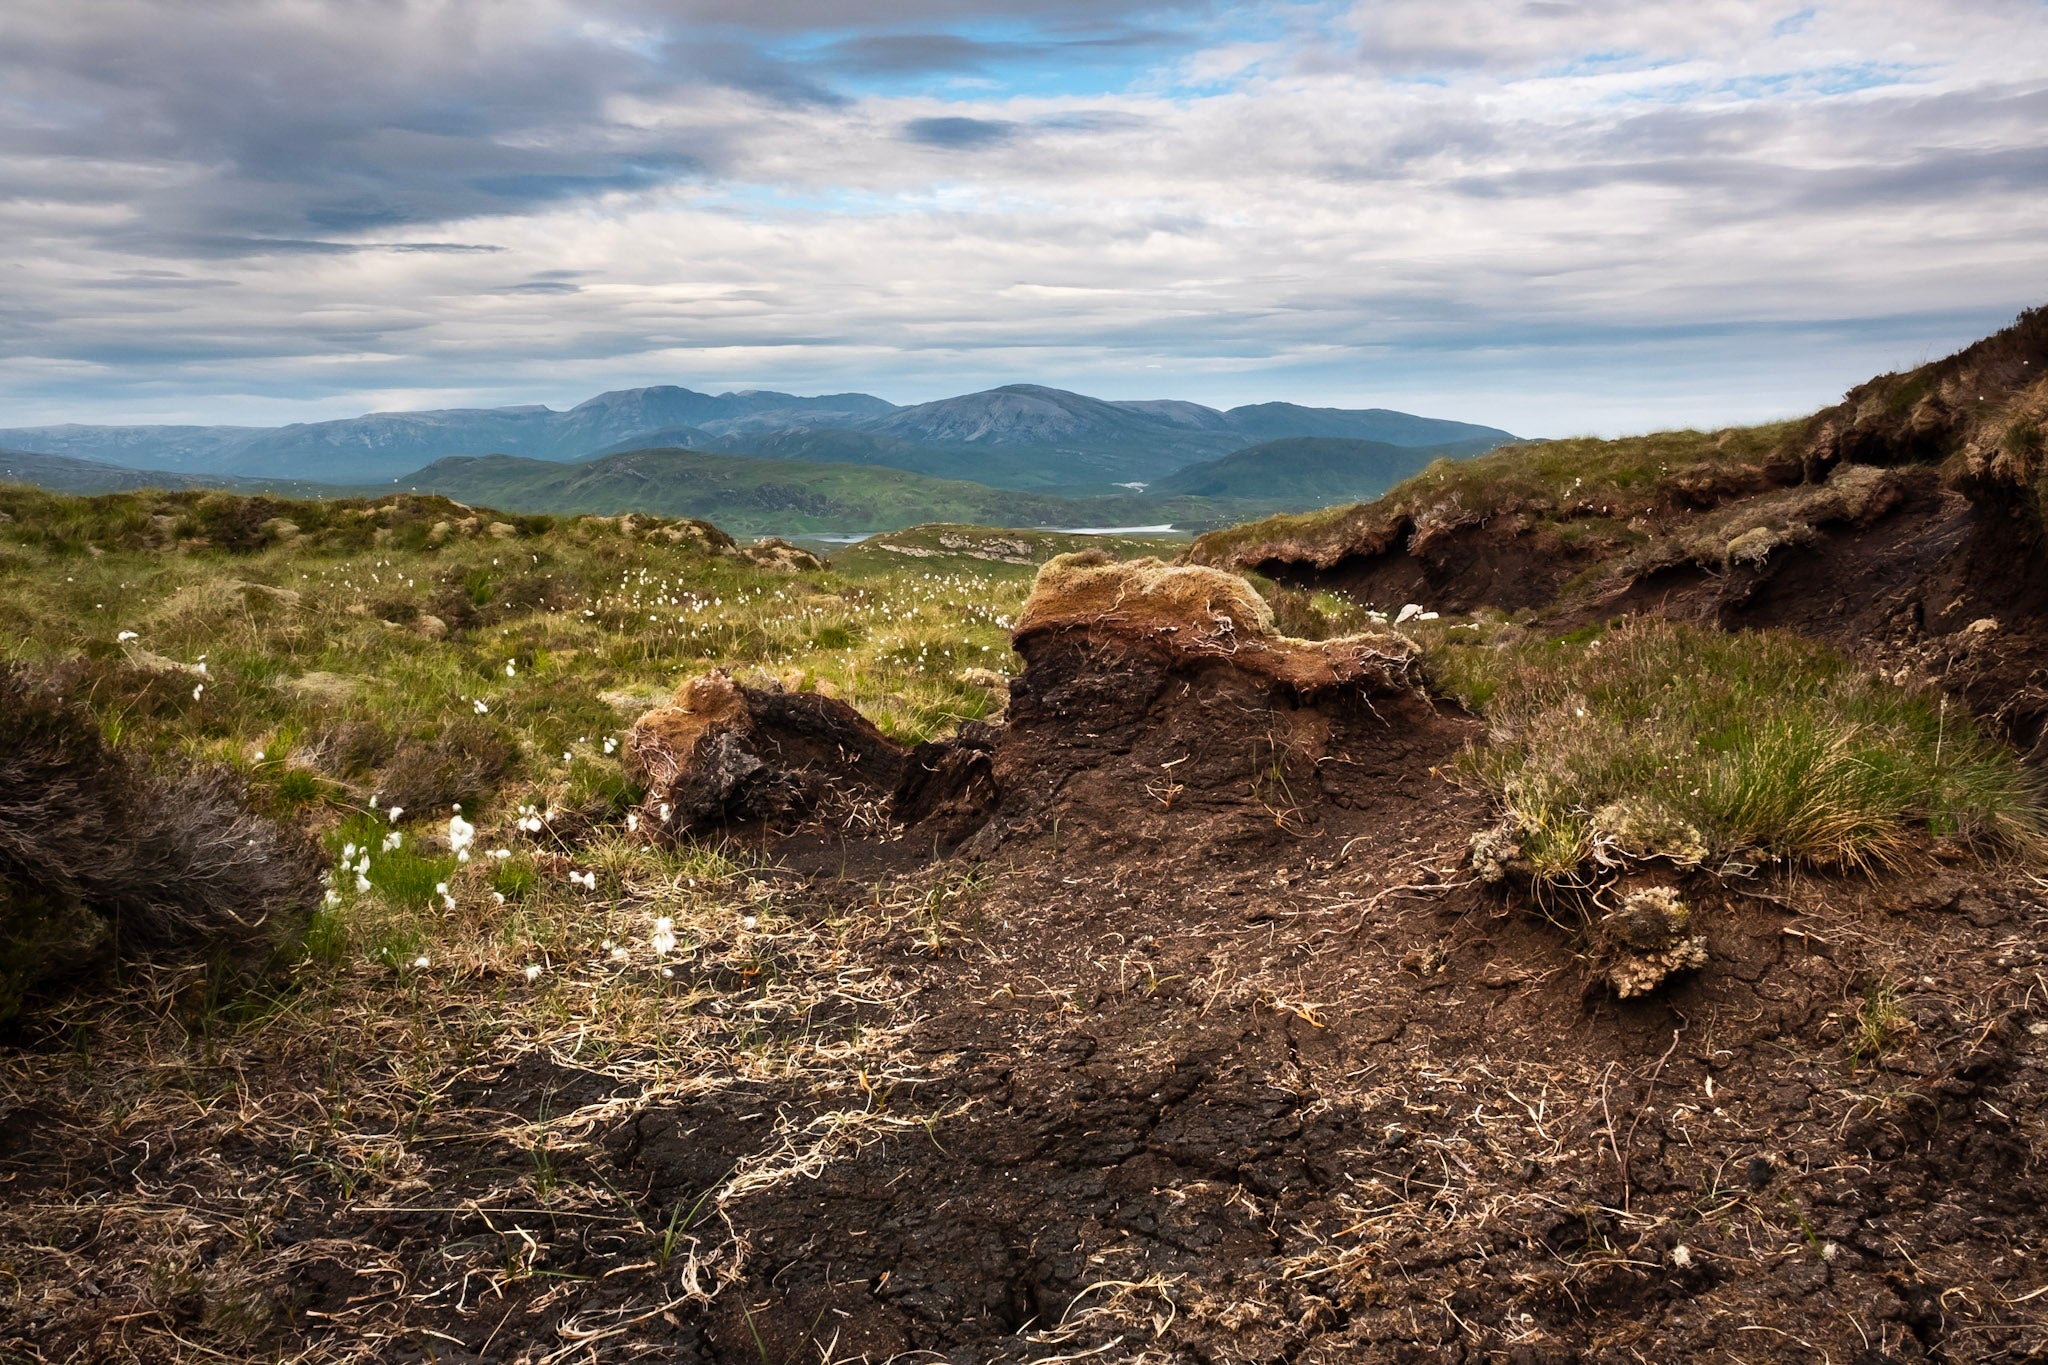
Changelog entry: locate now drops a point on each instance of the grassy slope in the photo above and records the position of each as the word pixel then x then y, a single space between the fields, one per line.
pixel 985 551
pixel 65 474
pixel 749 495
pixel 1580 478
pixel 1305 471
pixel 745 494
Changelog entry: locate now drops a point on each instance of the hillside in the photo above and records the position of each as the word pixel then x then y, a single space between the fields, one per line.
pixel 381 445
pixel 64 474
pixel 1304 471
pixel 1021 437
pixel 748 496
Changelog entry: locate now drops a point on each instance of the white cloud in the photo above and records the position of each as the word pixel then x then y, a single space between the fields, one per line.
pixel 1548 216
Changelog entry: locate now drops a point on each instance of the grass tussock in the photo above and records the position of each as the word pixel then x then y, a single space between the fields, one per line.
pixel 1658 739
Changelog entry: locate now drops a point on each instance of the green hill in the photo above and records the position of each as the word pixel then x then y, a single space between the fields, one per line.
pixel 1307 471
pixel 64 474
pixel 747 495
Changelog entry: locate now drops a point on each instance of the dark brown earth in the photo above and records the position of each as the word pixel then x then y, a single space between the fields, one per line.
pixel 1202 1045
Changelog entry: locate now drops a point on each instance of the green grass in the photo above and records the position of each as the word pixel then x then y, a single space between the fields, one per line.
pixel 1742 748
pixel 1567 480
pixel 360 655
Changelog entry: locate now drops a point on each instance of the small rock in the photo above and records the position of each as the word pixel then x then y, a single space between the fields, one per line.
pixel 503 530
pixel 430 627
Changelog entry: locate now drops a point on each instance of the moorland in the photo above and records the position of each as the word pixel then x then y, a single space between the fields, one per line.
pixel 1584 904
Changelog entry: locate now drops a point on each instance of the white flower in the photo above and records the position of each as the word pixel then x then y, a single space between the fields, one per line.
pixel 348 853
pixel 440 888
pixel 362 883
pixel 586 880
pixel 393 840
pixel 125 636
pixel 197 690
pixel 461 834
pixel 663 940
pixel 611 743
pixel 533 971
pixel 632 821
pixel 566 757
pixel 481 709
pixel 395 812
pixel 333 897
pixel 508 667
pixel 421 962
pixel 259 757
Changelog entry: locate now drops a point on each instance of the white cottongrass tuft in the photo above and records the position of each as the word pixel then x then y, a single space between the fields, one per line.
pixel 461 834
pixel 197 690
pixel 125 636
pixel 421 962
pixel 586 880
pixel 663 940
pixel 533 971
pixel 481 709
pixel 395 812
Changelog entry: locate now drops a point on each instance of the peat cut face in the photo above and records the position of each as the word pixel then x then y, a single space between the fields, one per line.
pixel 1158 707
pixel 722 753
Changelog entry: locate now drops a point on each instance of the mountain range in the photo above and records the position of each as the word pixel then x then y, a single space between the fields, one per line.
pixel 1021 436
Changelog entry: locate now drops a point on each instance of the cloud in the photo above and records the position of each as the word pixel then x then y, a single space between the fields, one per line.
pixel 959 132
pixel 1522 212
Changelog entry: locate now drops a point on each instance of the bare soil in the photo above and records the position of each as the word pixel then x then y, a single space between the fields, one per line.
pixel 1204 1047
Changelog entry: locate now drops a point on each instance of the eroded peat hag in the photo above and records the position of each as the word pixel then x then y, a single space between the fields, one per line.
pixel 1905 523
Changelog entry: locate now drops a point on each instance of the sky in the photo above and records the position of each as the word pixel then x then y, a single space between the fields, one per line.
pixel 1554 216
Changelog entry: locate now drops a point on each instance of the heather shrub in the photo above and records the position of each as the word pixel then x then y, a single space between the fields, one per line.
pixel 101 857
